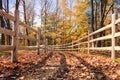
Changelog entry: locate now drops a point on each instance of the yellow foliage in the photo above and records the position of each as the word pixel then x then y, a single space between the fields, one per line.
pixel 74 37
pixel 63 3
pixel 71 24
pixel 107 20
pixel 58 40
pixel 53 35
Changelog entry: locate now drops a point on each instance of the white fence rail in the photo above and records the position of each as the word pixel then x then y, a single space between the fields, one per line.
pixel 76 45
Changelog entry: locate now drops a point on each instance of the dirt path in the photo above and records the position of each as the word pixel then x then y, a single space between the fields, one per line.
pixel 67 66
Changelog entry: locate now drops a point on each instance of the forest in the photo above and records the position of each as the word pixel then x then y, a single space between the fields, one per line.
pixel 67 20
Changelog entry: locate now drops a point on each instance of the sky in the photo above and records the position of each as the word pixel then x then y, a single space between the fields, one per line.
pixel 37 9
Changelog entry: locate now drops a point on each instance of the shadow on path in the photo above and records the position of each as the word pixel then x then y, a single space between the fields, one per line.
pixel 31 68
pixel 99 75
pixel 105 53
pixel 62 70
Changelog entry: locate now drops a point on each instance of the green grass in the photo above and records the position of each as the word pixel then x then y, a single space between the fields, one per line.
pixel 4 52
pixel 82 50
pixel 117 60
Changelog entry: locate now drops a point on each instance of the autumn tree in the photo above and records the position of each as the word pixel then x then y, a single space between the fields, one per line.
pixel 46 11
pixel 80 24
pixel 70 23
pixel 65 25
pixel 29 14
pixel 2 23
pixel 8 22
pixel 99 16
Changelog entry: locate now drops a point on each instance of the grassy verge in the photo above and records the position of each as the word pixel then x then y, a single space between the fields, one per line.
pixel 117 60
pixel 4 52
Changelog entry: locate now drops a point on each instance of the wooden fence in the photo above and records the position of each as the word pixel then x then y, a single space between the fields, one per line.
pixel 88 40
pixel 16 36
pixel 74 45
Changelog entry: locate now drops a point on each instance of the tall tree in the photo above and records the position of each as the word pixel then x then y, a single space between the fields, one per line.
pixel 2 24
pixel 25 19
pixel 45 11
pixel 92 15
pixel 99 15
pixel 29 14
pixel 80 19
pixel 8 22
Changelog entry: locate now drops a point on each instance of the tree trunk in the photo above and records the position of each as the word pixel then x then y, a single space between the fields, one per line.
pixel 2 25
pixel 93 25
pixel 8 24
pixel 102 16
pixel 25 19
pixel 92 16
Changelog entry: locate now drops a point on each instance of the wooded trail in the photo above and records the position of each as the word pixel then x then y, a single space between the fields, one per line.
pixel 59 66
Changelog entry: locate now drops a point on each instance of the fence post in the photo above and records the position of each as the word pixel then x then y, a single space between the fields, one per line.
pixel 72 45
pixel 113 38
pixel 45 49
pixel 38 41
pixel 65 47
pixel 53 48
pixel 78 46
pixel 46 45
pixel 88 42
pixel 15 38
pixel 92 37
